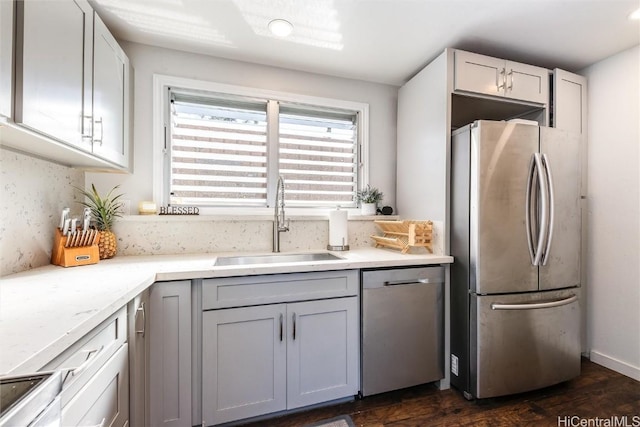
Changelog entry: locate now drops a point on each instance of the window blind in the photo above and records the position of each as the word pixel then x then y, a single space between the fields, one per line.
pixel 221 152
pixel 318 156
pixel 218 152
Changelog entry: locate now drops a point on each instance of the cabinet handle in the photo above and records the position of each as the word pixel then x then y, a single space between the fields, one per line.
pixel 281 329
pixel 99 140
pixel 75 371
pixel 510 74
pixel 501 77
pixel 87 123
pixel 141 310
pixel 294 326
pixel 101 423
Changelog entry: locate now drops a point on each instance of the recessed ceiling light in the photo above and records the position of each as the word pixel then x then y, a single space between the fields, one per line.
pixel 635 14
pixel 280 27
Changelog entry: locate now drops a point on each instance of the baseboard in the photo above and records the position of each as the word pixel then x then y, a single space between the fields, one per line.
pixel 615 364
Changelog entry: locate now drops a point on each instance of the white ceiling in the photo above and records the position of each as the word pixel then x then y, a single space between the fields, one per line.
pixel 385 41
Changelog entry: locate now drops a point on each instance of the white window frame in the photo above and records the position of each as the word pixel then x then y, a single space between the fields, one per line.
pixel 160 134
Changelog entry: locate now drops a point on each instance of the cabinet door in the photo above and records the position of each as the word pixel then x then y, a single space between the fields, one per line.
pixel 6 57
pixel 53 68
pixel 527 82
pixel 569 101
pixel 243 363
pixel 170 354
pixel 105 399
pixel 137 336
pixel 110 97
pixel 479 73
pixel 322 351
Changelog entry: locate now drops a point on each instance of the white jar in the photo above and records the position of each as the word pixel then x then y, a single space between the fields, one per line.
pixel 367 209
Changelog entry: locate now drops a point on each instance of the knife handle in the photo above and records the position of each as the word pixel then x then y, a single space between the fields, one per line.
pixel 65 232
pixel 63 218
pixel 65 227
pixel 86 219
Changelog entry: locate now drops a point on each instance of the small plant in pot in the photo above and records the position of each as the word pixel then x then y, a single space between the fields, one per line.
pixel 369 198
pixel 104 211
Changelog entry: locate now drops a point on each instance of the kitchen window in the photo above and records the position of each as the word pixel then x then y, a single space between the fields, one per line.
pixel 228 148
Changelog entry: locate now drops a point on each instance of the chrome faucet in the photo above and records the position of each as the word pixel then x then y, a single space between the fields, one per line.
pixel 280 223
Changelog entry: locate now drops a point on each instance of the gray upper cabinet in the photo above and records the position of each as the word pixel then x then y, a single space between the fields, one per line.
pixel 71 103
pixel 569 101
pixel 498 77
pixel 110 97
pixel 53 54
pixel 479 73
pixel 6 57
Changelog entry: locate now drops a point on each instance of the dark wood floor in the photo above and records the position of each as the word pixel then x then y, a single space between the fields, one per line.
pixel 598 392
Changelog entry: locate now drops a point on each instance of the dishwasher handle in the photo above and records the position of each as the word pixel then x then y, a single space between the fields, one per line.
pixel 387 277
pixel 411 282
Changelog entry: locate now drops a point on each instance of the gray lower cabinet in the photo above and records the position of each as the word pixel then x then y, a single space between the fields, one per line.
pixel 95 388
pixel 169 343
pixel 322 351
pixel 244 362
pixel 220 350
pixel 138 356
pixel 104 400
pixel 273 357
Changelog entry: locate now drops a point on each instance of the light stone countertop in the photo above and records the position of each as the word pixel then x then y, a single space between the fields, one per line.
pixel 45 310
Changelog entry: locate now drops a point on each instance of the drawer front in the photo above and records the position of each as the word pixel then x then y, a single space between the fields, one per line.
pixel 104 400
pixel 277 288
pixel 83 359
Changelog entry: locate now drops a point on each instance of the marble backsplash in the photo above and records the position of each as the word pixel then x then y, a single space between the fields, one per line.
pixel 33 193
pixel 139 235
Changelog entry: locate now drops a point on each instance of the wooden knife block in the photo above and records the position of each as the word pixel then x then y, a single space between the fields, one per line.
pixel 72 257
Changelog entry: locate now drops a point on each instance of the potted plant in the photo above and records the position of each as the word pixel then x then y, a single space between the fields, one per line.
pixel 369 198
pixel 104 211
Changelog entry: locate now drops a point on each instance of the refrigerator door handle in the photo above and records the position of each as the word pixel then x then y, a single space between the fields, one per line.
pixel 535 305
pixel 543 229
pixel 549 176
pixel 528 215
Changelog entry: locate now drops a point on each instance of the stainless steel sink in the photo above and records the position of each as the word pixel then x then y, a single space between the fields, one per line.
pixel 274 258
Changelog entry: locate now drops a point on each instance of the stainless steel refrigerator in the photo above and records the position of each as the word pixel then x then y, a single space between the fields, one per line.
pixel 515 238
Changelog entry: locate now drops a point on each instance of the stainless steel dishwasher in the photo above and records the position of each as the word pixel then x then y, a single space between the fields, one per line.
pixel 402 328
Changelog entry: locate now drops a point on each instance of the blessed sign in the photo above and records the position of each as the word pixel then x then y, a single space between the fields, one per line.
pixel 179 210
